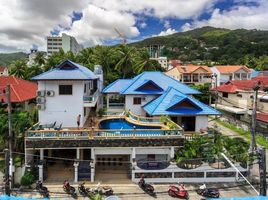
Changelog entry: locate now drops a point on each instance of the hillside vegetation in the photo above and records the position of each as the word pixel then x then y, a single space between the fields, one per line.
pixel 8 58
pixel 215 45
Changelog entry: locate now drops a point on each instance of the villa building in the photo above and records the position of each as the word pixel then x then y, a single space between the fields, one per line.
pixel 225 73
pixel 191 74
pixel 235 99
pixel 132 138
pixel 67 91
pixel 156 94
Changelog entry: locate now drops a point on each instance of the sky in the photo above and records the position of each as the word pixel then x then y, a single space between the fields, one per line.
pixel 27 23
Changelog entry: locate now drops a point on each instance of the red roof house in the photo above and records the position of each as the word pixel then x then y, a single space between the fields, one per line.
pixel 21 90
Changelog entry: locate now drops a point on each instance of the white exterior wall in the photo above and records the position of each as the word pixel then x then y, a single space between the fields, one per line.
pixel 62 108
pixel 201 122
pixel 224 78
pixel 4 73
pixel 215 71
pixel 137 109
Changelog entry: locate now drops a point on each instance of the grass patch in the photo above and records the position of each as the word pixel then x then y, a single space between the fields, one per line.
pixel 261 140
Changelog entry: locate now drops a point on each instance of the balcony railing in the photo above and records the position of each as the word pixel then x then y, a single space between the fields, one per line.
pixel 101 134
pixel 91 98
pixel 143 119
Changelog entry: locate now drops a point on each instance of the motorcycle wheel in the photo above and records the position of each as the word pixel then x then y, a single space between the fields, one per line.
pixel 171 193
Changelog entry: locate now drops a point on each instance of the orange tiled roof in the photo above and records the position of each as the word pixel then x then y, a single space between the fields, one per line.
pixel 21 90
pixel 192 68
pixel 225 69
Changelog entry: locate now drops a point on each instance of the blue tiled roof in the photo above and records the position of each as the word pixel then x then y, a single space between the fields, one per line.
pixel 159 78
pixel 117 86
pixel 163 105
pixel 74 71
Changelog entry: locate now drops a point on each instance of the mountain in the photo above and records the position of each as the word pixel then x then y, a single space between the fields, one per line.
pixel 7 58
pixel 219 45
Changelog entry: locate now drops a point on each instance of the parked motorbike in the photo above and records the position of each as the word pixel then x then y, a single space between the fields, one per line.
pixel 179 192
pixel 208 192
pixel 42 189
pixel 146 187
pixel 105 190
pixel 69 189
pixel 85 191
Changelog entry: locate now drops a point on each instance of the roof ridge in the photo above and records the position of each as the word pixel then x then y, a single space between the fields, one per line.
pixel 15 92
pixel 139 76
pixel 162 96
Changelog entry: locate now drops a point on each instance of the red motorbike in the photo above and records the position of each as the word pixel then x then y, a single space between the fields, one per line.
pixel 179 192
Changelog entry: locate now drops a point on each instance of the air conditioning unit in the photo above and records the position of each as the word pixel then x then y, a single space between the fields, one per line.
pixel 41 106
pixel 41 93
pixel 50 93
pixel 144 99
pixel 40 100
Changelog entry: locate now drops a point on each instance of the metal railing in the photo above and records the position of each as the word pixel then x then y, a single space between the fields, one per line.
pixel 100 134
pixel 91 98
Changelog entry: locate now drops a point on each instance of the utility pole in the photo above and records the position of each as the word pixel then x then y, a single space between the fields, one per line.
pixel 262 171
pixel 6 180
pixel 10 134
pixel 253 145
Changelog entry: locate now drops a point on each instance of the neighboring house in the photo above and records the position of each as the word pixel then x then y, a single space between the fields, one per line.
pixel 235 97
pixel 22 92
pixel 191 74
pixel 66 42
pixel 156 94
pixel 3 71
pixel 255 73
pixel 66 91
pixel 162 61
pixel 227 73
pixel 174 63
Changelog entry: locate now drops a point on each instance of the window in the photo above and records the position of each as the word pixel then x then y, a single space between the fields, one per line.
pixel 225 94
pixel 65 89
pixel 136 101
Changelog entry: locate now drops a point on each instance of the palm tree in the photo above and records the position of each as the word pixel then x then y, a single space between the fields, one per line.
pixel 18 68
pixel 40 59
pixel 126 61
pixel 85 57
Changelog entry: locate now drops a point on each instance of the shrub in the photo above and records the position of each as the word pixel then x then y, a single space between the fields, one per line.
pixel 27 179
pixel 101 112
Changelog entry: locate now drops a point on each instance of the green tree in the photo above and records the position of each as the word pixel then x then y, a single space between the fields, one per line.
pixel 18 68
pixel 39 59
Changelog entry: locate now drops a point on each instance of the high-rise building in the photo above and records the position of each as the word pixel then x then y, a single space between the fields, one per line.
pixel 66 42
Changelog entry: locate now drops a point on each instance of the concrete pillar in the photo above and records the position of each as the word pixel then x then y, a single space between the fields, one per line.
pixel 92 154
pixel 40 173
pixel 41 154
pixel 133 154
pixel 172 152
pixel 78 154
pixel 92 171
pixel 76 164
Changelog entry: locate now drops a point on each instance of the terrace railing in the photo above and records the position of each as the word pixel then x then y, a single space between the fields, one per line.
pixel 143 119
pixel 101 134
pixel 91 98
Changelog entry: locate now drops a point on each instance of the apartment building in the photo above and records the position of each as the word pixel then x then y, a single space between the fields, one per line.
pixel 66 42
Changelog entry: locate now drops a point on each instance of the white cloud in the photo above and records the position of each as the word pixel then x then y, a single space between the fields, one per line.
pixel 169 31
pixel 159 8
pixel 98 24
pixel 143 25
pixel 24 23
pixel 240 16
pixel 167 24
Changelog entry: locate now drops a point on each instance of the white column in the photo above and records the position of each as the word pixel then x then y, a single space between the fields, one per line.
pixel 92 171
pixel 78 154
pixel 133 154
pixel 76 172
pixel 40 173
pixel 92 154
pixel 41 154
pixel 172 152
